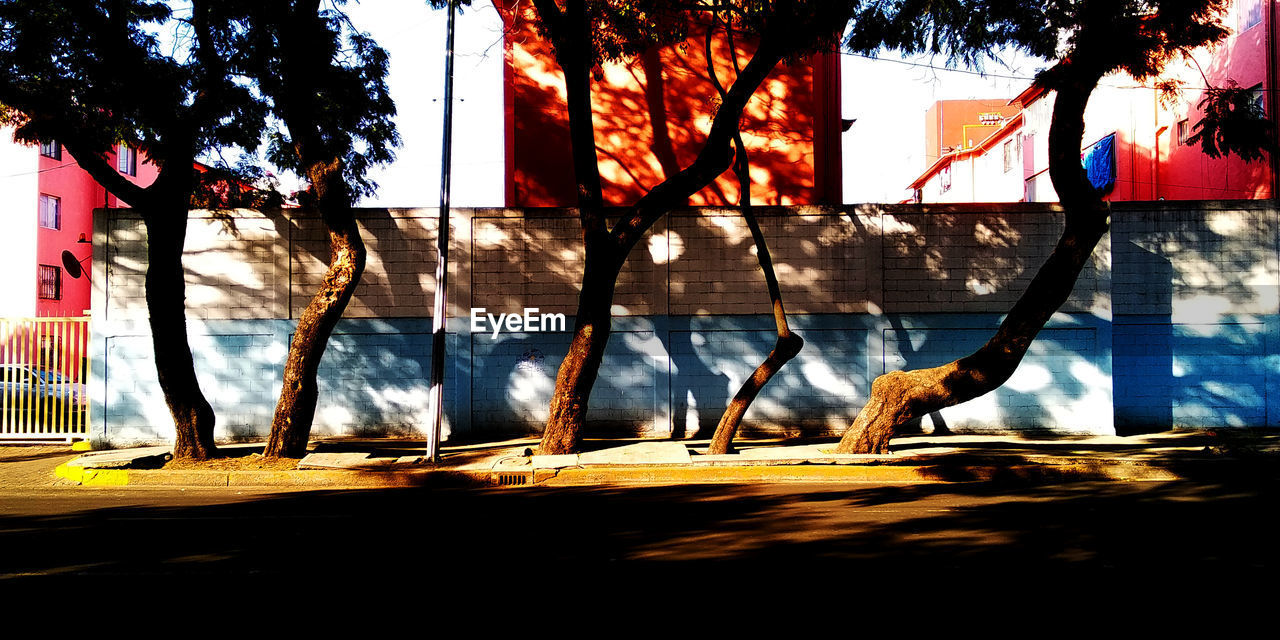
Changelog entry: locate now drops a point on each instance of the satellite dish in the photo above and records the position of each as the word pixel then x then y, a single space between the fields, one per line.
pixel 72 265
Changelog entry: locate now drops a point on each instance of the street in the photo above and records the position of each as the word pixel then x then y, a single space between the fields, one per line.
pixel 503 534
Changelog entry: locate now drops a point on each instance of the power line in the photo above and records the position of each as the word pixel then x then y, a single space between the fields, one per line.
pixel 936 68
pixel 30 173
pixel 983 74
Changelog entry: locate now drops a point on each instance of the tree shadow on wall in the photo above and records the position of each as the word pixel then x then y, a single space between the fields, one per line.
pixel 651 116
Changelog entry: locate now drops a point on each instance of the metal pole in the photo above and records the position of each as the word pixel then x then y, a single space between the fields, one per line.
pixel 440 309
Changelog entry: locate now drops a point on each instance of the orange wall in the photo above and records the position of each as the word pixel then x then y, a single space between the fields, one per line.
pixel 651 117
pixel 945 123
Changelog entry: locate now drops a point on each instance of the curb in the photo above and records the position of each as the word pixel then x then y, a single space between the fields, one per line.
pixel 671 463
pixel 322 479
pixel 849 473
pixel 649 474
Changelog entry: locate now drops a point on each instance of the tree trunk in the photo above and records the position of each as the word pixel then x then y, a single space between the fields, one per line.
pixel 291 426
pixel 785 348
pixel 166 295
pixel 578 371
pixel 788 344
pixel 900 396
pixel 607 249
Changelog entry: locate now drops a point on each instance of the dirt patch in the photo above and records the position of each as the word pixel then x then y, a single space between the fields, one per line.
pixel 251 462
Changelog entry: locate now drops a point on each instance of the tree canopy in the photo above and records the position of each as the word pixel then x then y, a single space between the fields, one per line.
pixel 93 74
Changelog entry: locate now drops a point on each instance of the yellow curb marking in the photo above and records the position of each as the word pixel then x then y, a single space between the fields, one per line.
pixel 105 477
pixel 74 474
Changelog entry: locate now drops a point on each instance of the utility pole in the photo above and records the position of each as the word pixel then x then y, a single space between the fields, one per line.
pixel 435 404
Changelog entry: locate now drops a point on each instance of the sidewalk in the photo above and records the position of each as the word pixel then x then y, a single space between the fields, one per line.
pixel 353 463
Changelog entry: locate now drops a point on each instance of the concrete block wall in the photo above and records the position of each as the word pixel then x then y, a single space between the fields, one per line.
pixel 1175 317
pixel 1195 293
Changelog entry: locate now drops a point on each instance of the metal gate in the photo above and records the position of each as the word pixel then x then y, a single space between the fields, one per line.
pixel 44 370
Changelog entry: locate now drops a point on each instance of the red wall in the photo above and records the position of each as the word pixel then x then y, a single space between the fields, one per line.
pixel 651 117
pixel 80 195
pixel 1184 172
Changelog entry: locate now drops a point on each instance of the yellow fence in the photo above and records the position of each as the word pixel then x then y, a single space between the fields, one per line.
pixel 44 370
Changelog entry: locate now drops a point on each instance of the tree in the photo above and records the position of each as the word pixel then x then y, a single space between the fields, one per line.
pixel 89 75
pixel 326 83
pixel 788 343
pixel 586 32
pixel 1100 37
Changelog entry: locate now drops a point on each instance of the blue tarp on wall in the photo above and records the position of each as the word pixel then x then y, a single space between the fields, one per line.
pixel 1100 164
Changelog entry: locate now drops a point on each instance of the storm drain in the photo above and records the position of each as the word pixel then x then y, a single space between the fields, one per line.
pixel 511 479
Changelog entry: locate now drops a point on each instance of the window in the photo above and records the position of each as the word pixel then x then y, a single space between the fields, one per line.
pixel 50 282
pixel 1248 14
pixel 1008 156
pixel 1259 97
pixel 1184 131
pixel 127 160
pixel 50 212
pixel 51 150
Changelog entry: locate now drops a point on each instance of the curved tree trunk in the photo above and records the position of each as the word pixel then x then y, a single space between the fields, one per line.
pixel 788 344
pixel 291 425
pixel 900 396
pixel 166 295
pixel 785 348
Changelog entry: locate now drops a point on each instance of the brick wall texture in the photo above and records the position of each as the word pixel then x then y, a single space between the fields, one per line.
pixel 1172 323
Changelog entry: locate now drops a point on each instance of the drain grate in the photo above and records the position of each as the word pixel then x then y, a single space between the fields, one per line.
pixel 512 479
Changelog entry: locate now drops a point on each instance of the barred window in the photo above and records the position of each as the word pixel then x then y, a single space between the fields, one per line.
pixel 50 211
pixel 51 150
pixel 50 282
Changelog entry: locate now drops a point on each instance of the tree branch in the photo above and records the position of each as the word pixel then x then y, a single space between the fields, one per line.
pixel 715 157
pixel 106 175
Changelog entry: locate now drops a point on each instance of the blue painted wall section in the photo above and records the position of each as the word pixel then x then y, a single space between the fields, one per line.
pixel 1195 301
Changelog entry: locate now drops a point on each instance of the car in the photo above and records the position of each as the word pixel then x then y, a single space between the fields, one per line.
pixel 39 400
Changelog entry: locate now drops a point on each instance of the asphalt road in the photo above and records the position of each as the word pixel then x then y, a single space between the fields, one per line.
pixel 599 555
pixel 499 534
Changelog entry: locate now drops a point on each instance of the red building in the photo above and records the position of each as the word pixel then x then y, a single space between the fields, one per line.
pixel 1132 131
pixel 652 114
pixel 50 203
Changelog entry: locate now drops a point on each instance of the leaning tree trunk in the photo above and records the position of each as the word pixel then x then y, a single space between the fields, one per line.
pixel 166 294
pixel 788 344
pixel 785 348
pixel 901 396
pixel 291 426
pixel 578 371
